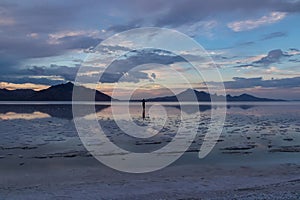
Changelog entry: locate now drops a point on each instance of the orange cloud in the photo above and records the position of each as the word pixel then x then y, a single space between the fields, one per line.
pixel 15 86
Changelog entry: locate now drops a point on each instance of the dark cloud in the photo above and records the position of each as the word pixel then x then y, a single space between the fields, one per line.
pixel 22 48
pixel 40 74
pixel 294 60
pixel 246 43
pixel 125 27
pixel 273 56
pixel 78 42
pixel 135 77
pixel 68 73
pixel 6 61
pixel 182 12
pixel 125 65
pixel 176 13
pixel 274 35
pixel 244 83
pixel 40 19
pixel 295 49
pixel 153 75
pixel 130 77
pixel 108 49
pixel 264 37
pixel 14 49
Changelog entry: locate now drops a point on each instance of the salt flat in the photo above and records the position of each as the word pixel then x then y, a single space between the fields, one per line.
pixel 256 157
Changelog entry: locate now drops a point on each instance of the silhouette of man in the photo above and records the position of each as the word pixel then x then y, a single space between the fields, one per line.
pixel 144 106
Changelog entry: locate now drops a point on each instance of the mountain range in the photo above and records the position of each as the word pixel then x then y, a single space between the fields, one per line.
pixel 188 95
pixel 63 92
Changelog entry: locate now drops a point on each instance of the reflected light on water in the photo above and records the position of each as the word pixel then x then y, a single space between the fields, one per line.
pixel 25 116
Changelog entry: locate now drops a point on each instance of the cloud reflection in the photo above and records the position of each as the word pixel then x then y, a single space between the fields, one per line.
pixel 25 116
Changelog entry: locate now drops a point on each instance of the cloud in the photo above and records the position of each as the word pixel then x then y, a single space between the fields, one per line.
pixel 6 21
pixel 6 61
pixel 121 70
pixel 33 35
pixel 273 56
pixel 39 17
pixel 54 38
pixel 153 75
pixel 38 30
pixel 246 43
pixel 263 37
pixel 183 12
pixel 5 18
pixel 78 42
pixel 14 50
pixel 14 86
pixel 273 70
pixel 124 27
pixel 18 49
pixel 68 73
pixel 246 25
pixel 27 28
pixel 109 49
pixel 198 28
pixel 30 80
pixel 50 75
pixel 293 52
pixel 177 13
pixel 244 83
pixel 294 49
pixel 124 67
pixel 274 35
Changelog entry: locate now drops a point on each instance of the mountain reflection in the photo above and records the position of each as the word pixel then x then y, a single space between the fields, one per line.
pixel 29 112
pixel 190 109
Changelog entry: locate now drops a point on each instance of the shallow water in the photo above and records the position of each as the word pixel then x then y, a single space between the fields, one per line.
pixel 253 134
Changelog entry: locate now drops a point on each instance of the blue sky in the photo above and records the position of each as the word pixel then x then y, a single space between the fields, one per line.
pixel 254 43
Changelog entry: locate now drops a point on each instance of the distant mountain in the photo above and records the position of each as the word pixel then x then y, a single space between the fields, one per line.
pixel 247 97
pixel 62 92
pixel 187 95
pixel 183 96
pixel 16 95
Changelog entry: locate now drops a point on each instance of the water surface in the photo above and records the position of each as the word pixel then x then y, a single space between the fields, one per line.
pixel 253 133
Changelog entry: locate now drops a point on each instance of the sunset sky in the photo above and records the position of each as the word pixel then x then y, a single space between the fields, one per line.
pixel 255 44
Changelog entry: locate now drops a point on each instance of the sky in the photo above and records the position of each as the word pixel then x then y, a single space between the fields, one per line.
pixel 254 44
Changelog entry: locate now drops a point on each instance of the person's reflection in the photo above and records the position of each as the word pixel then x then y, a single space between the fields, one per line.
pixel 144 106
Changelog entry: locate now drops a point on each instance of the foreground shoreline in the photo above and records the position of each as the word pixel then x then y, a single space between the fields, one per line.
pixel 86 178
